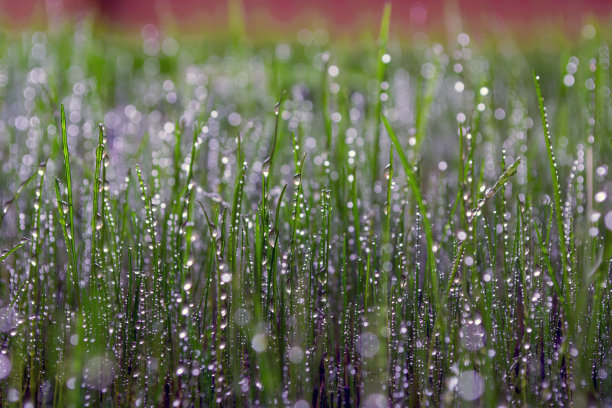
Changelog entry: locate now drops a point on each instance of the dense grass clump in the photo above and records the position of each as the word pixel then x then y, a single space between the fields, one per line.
pixel 304 224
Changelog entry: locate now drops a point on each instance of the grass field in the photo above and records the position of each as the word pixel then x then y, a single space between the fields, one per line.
pixel 304 223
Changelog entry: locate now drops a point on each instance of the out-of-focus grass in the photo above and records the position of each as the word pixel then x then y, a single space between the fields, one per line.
pixel 303 224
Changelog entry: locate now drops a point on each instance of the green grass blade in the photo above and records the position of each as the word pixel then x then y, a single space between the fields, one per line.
pixel 5 254
pixel 552 165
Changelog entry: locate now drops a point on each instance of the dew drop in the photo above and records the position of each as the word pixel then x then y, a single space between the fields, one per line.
pixel 265 167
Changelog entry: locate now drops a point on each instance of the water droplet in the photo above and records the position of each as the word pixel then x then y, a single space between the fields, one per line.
pixel 99 223
pixel 322 276
pixel 226 277
pixel 387 171
pixel 265 167
pixel 600 197
pixel 297 179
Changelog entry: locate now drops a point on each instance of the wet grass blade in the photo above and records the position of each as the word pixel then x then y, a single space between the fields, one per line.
pixel 490 192
pixel 5 254
pixel 416 192
pixel 7 204
pixel 70 219
pixel 380 77
pixel 558 209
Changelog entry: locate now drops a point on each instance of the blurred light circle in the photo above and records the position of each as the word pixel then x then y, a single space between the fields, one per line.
pixel 375 401
pixel 259 342
pixel 470 386
pixel 301 404
pixel 5 366
pixel 472 336
pixel 296 354
pixel 99 372
pixel 368 344
pixel 9 319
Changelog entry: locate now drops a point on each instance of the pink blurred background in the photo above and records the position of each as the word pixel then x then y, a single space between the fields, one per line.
pixel 263 16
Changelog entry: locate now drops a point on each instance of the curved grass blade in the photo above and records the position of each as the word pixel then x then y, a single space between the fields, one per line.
pixel 416 191
pixel 380 76
pixel 68 181
pixel 7 252
pixel 267 164
pixel 490 192
pixel 555 181
pixel 7 205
